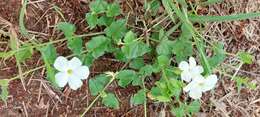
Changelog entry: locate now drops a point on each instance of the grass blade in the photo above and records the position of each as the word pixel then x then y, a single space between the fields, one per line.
pixel 240 16
pixel 168 9
pixel 203 57
pixel 211 2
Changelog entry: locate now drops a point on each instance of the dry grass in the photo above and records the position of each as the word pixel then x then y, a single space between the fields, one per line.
pixel 237 35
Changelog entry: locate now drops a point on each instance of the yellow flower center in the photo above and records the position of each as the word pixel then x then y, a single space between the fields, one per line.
pixel 201 84
pixel 69 71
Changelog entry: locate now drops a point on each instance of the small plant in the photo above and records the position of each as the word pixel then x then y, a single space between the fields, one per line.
pixel 143 55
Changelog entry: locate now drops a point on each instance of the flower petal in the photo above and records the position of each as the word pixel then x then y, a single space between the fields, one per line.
pixel 74 82
pixel 184 65
pixel 186 76
pixel 210 83
pixel 195 94
pixel 198 78
pixel 197 70
pixel 192 62
pixel 61 63
pixel 82 72
pixel 190 86
pixel 74 63
pixel 61 79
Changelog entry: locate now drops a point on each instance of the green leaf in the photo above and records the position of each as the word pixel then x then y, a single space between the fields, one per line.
pixel 50 74
pixel 155 91
pixel 175 87
pixel 119 55
pixel 160 94
pixel 129 37
pixel 139 97
pixel 179 111
pixel 136 63
pixel 113 10
pixel 88 59
pixel 4 89
pixel 165 47
pixel 152 6
pixel 24 52
pixel 97 84
pixel 137 81
pixel 245 57
pixel 182 49
pixel 105 21
pixel 240 82
pixel 163 61
pixel 194 107
pixel 126 77
pixel 49 55
pixel 146 70
pixel 164 90
pixel 98 45
pixel 67 28
pixel 92 20
pixel 98 6
pixel 219 55
pixel 110 101
pixel 244 81
pixel 186 34
pixel 116 30
pixel 75 45
pixel 135 49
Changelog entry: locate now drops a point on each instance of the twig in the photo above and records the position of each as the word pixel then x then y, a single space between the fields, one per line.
pixel 25 110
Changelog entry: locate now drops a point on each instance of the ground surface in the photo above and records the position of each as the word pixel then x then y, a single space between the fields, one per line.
pixel 40 99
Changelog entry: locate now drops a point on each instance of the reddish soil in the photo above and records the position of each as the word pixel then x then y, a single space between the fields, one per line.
pixel 41 99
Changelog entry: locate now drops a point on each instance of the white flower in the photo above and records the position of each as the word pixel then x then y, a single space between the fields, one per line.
pixel 71 72
pixel 200 84
pixel 190 70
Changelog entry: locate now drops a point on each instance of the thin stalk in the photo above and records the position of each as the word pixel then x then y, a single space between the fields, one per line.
pixel 60 40
pixel 21 74
pixel 99 95
pixel 145 102
pixel 27 72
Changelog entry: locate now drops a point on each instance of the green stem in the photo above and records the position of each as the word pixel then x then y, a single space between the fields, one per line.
pixel 99 95
pixel 61 40
pixel 27 72
pixel 145 102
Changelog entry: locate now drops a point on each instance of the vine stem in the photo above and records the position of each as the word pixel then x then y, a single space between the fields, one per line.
pixel 61 40
pixel 145 106
pixel 100 93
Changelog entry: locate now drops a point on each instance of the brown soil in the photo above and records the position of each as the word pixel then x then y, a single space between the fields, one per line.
pixel 41 99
